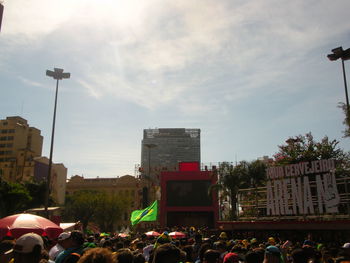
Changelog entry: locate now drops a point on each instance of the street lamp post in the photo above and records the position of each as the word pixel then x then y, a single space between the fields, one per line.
pixel 1 12
pixel 149 179
pixel 149 146
pixel 343 55
pixel 57 74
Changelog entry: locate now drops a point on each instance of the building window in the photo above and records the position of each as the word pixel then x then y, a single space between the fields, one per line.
pixel 5 123
pixel 9 145
pixel 11 130
pixel 8 152
pixel 10 138
pixel 2 145
pixel 3 131
pixel 2 152
pixel 3 138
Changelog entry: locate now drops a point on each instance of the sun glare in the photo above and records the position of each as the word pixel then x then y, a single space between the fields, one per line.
pixel 124 12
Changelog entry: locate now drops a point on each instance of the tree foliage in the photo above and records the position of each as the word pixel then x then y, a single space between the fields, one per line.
pixel 14 198
pixel 82 206
pixel 346 121
pixel 37 192
pixel 304 148
pixel 110 210
pixel 243 175
pixel 99 207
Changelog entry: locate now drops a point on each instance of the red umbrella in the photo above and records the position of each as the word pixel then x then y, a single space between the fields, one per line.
pixel 152 234
pixel 17 225
pixel 177 234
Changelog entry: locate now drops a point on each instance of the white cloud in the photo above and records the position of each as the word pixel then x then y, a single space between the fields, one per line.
pixel 32 83
pixel 226 67
pixel 159 52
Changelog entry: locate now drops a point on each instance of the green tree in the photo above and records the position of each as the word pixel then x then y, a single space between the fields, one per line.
pixel 37 192
pixel 346 121
pixel 83 205
pixel 253 173
pixel 14 198
pixel 232 178
pixel 304 148
pixel 110 211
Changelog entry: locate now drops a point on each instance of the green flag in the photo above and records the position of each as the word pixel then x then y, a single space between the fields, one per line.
pixel 147 214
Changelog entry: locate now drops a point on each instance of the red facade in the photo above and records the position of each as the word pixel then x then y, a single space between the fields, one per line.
pixel 185 200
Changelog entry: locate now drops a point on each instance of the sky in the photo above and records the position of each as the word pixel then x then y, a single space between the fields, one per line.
pixel 249 74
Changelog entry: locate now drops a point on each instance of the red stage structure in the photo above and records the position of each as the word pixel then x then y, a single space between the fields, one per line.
pixel 185 199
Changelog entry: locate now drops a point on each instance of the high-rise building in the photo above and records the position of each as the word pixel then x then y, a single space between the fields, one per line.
pixel 163 149
pixel 19 144
pixel 21 160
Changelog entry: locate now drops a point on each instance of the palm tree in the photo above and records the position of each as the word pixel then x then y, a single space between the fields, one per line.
pixel 229 180
pixel 232 178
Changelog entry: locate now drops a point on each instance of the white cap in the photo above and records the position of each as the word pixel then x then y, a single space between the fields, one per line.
pixel 26 243
pixel 63 236
pixel 346 245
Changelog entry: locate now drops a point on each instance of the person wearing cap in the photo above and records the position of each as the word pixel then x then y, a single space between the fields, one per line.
pixel 223 236
pixel 74 250
pixel 271 241
pixel 27 249
pixel 62 244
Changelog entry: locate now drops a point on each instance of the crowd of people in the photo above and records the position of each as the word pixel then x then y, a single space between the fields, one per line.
pixel 196 247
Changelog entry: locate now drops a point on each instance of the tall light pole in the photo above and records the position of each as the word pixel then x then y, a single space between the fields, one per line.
pixel 149 146
pixel 149 179
pixel 343 55
pixel 57 74
pixel 1 12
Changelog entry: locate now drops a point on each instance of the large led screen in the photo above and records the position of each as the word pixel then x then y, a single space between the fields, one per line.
pixel 188 193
